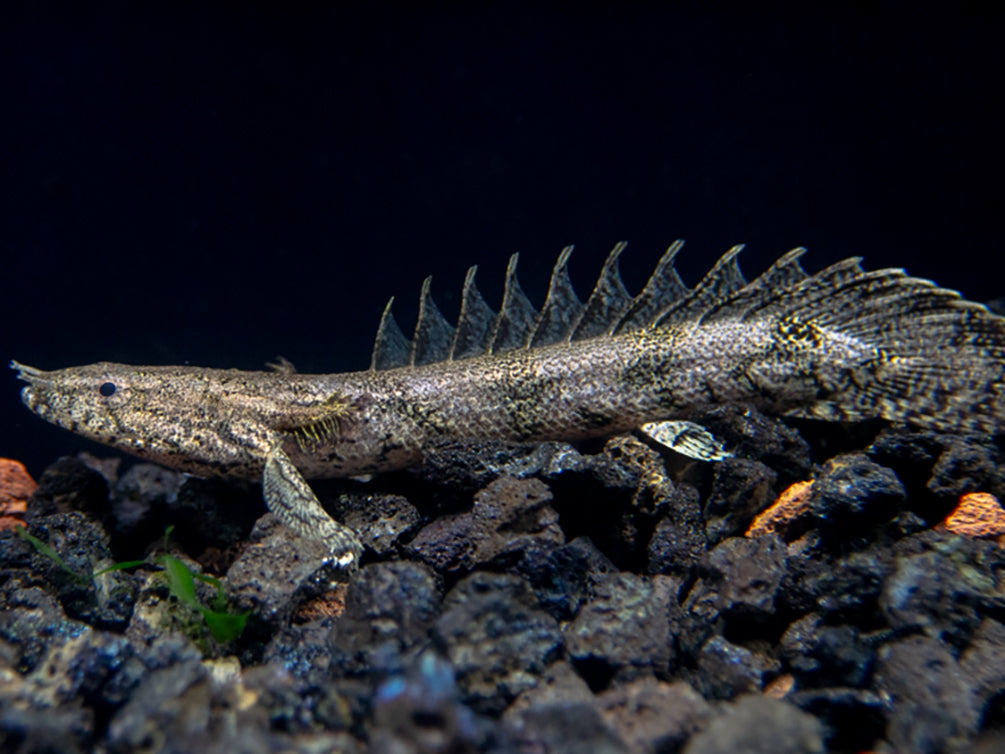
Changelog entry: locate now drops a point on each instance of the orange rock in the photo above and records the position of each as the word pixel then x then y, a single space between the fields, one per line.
pixel 781 686
pixel 329 604
pixel 978 515
pixel 16 486
pixel 791 505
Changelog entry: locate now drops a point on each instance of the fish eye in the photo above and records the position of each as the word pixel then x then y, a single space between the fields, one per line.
pixel 107 389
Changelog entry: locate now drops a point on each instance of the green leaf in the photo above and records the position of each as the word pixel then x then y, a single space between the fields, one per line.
pixel 119 567
pixel 225 626
pixel 50 552
pixel 220 603
pixel 180 580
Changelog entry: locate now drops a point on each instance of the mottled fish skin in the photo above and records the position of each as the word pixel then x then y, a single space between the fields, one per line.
pixel 839 345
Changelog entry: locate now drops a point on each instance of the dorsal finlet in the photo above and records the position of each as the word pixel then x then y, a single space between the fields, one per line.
pixel 433 334
pixel 562 308
pixel 608 301
pixel 475 322
pixel 516 315
pixel 391 348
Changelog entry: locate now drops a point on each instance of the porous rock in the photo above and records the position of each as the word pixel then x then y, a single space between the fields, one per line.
pixel 389 610
pixel 983 662
pixel 626 629
pixel 741 577
pixel 759 725
pixel 507 516
pixel 564 577
pixel 279 572
pixel 935 708
pixel 747 433
pixel 740 490
pixel 853 493
pixel 943 584
pixel 826 655
pixel 564 728
pixel 70 485
pixel 679 540
pixel 380 521
pixel 653 716
pixel 496 637
pixel 82 543
pixel 727 670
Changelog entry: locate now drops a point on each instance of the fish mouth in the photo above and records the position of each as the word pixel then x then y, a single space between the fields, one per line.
pixel 37 381
pixel 30 374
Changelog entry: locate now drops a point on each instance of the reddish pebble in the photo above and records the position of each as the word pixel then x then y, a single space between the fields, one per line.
pixel 790 506
pixel 16 486
pixel 979 515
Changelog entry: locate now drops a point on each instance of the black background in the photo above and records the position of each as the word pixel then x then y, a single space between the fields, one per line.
pixel 219 183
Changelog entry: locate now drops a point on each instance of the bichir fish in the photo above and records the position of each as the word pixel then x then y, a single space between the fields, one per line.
pixel 839 345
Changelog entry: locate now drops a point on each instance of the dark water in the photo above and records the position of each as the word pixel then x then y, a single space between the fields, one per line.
pixel 218 185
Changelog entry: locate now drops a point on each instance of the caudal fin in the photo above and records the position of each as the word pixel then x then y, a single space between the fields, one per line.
pixel 941 358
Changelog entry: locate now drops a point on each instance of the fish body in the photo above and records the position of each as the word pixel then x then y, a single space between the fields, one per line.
pixel 842 344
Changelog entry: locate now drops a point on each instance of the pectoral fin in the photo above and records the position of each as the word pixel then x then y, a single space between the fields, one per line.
pixel 687 438
pixel 291 499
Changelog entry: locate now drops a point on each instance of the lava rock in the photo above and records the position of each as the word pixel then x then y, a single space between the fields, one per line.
pixel 567 728
pixel 740 578
pixel 279 572
pixel 679 540
pixel 983 662
pixel 66 729
pixel 749 434
pixel 756 724
pixel 935 708
pixel 909 451
pixel 726 670
pixel 852 494
pixel 855 718
pixel 380 521
pixel 70 485
pixel 507 516
pixel 178 695
pixel 842 590
pixel 943 584
pixel 420 712
pixel 468 466
pixel 964 466
pixel 141 498
pixel 83 667
pixel 226 512
pixel 389 610
pixel 105 601
pixel 496 637
pixel 558 684
pixel 564 578
pixel 823 655
pixel 626 630
pixel 741 489
pixel 654 716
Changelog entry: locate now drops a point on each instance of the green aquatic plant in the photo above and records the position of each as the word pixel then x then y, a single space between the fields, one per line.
pixel 225 626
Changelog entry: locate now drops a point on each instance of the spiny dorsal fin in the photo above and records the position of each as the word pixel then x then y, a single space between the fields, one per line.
pixel 561 310
pixel 814 291
pixel 516 315
pixel 474 325
pixel 722 281
pixel 608 301
pixel 663 288
pixel 433 334
pixel 391 348
pixel 723 292
pixel 780 276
